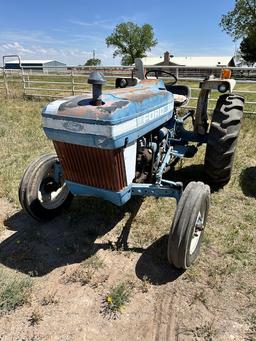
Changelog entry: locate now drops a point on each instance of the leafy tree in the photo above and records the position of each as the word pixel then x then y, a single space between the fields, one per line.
pixel 93 62
pixel 240 21
pixel 131 41
pixel 248 48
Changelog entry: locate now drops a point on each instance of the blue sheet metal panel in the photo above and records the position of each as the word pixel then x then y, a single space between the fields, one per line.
pixel 117 198
pixel 100 141
pixel 120 105
pixel 163 112
pixel 151 190
pixel 120 198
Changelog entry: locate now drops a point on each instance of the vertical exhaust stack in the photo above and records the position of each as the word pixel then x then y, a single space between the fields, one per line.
pixel 97 80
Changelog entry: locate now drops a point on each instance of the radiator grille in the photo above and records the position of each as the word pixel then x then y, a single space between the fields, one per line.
pixel 96 167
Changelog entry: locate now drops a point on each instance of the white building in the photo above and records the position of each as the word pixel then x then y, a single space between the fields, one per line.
pixel 190 61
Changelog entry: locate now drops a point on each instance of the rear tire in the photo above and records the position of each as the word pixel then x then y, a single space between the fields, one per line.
pixel 39 195
pixel 188 225
pixel 223 135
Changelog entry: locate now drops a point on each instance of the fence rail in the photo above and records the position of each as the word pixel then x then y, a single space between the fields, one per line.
pixel 32 82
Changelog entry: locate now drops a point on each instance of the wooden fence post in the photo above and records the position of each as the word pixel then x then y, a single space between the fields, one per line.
pixel 23 80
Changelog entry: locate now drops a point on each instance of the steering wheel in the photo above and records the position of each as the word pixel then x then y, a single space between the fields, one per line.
pixel 158 73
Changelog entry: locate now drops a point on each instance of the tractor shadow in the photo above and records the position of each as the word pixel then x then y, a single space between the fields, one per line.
pixel 38 248
pixel 187 174
pixel 154 266
pixel 191 173
pixel 247 181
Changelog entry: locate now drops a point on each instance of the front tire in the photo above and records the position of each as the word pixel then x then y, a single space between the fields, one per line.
pixel 188 225
pixel 39 193
pixel 223 135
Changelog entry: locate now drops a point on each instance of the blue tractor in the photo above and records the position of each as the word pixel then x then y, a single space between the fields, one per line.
pixel 116 144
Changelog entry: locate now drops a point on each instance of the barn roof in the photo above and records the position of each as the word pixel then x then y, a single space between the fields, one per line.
pixel 32 61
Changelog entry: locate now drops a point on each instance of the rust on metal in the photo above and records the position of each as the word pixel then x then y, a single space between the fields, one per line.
pixel 140 96
pixel 101 168
pixel 83 107
pixel 117 99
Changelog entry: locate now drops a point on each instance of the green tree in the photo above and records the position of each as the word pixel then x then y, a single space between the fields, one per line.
pixel 240 21
pixel 131 41
pixel 248 48
pixel 93 62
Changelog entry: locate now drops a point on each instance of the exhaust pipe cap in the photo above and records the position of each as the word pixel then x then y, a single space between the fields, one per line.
pixel 97 78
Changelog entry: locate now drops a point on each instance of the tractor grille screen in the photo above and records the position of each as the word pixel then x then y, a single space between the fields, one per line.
pixel 92 166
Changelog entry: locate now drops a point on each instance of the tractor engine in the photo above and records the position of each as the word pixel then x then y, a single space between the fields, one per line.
pixel 103 141
pixel 150 149
pixel 144 161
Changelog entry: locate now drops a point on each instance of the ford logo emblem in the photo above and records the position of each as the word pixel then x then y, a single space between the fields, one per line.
pixel 73 126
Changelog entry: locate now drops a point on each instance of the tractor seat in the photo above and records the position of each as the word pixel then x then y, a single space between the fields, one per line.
pixel 179 99
pixel 181 94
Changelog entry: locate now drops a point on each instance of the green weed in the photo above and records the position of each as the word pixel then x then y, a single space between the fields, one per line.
pixel 14 291
pixel 117 298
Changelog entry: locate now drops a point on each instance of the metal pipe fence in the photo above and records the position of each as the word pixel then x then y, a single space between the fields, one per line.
pixel 32 82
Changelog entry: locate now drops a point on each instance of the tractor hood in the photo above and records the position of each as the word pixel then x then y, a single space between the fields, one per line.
pixel 125 115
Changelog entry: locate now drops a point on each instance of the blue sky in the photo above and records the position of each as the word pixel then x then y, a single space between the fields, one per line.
pixel 69 30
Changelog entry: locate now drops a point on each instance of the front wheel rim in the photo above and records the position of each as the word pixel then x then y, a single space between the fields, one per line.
pixel 51 199
pixel 197 233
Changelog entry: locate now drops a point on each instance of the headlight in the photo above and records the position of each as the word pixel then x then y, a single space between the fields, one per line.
pixel 123 83
pixel 223 87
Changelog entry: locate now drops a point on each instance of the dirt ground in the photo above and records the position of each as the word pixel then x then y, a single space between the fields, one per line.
pixel 165 304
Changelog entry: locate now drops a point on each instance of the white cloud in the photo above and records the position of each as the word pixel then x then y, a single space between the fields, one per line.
pixel 39 45
pixel 68 55
pixel 16 47
pixel 27 37
pixel 85 37
pixel 106 24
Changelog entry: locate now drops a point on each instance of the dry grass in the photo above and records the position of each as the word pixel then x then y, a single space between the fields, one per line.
pixel 22 139
pixel 85 272
pixel 35 317
pixel 50 298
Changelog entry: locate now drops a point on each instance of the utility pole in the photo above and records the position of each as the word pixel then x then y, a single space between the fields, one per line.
pixel 93 54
